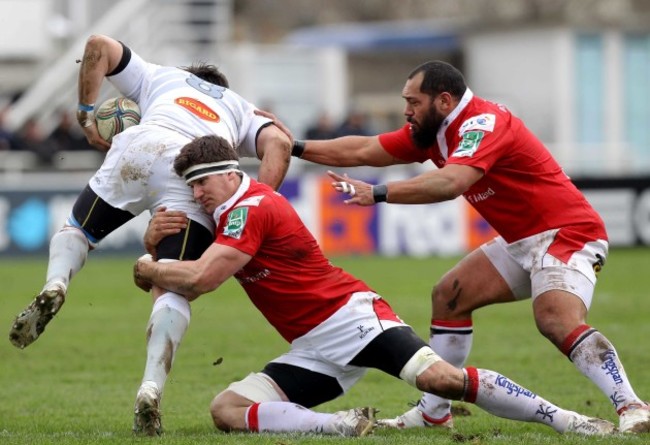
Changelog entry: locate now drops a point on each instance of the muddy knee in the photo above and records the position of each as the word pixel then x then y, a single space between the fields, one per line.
pixel 445 297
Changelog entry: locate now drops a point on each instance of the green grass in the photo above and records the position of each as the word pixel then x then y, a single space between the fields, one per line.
pixel 77 383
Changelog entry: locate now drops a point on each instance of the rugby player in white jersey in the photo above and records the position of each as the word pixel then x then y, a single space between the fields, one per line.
pixel 177 105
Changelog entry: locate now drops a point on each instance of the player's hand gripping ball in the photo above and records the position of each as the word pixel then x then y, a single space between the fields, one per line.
pixel 116 115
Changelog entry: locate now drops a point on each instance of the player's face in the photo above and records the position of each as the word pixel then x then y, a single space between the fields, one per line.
pixel 424 130
pixel 213 190
pixel 422 113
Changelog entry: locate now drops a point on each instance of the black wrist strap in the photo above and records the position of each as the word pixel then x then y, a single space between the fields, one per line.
pixel 298 148
pixel 379 192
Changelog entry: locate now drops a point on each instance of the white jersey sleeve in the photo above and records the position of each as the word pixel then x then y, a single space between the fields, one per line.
pixel 248 146
pixel 129 81
pixel 175 99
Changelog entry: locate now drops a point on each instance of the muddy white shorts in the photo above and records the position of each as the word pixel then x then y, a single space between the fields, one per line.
pixel 530 270
pixel 138 174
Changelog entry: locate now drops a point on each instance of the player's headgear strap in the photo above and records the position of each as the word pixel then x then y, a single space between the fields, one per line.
pixel 212 168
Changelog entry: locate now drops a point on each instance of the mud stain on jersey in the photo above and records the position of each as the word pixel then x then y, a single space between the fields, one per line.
pixel 157 150
pixel 134 172
pixel 140 170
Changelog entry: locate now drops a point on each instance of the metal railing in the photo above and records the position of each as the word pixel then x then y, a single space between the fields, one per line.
pixel 165 31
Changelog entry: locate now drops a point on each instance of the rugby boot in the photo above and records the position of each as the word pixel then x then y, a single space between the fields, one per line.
pixel 31 322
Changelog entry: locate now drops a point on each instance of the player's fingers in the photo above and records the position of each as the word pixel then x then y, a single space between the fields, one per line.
pixel 353 201
pixel 100 144
pixel 167 225
pixel 171 225
pixel 95 139
pixel 335 177
pixel 345 187
pixel 170 219
pixel 264 113
pixel 105 146
pixel 169 215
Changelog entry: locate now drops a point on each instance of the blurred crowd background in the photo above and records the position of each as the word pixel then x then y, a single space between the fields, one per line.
pixel 577 71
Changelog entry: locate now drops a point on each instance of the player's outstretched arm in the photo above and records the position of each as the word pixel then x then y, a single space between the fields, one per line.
pixel 433 186
pixel 346 151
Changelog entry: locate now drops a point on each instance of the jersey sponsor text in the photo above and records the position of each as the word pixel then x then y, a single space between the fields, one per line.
pixel 482 196
pixel 198 108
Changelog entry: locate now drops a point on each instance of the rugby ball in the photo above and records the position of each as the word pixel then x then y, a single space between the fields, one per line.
pixel 116 115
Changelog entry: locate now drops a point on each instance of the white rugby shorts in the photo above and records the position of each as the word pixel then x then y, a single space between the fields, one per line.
pixel 138 174
pixel 335 342
pixel 530 270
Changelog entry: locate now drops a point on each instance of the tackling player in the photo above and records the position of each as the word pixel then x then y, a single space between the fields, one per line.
pixel 337 325
pixel 552 243
pixel 177 105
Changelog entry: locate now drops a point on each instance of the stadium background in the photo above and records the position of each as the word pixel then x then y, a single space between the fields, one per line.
pixel 577 72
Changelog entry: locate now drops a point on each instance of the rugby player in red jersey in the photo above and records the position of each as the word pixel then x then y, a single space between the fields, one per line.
pixel 551 242
pixel 337 325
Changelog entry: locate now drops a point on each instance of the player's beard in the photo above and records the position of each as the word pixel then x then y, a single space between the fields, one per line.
pixel 424 132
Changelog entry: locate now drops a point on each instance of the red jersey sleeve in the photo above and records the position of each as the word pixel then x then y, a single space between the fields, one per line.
pixel 399 144
pixel 482 148
pixel 244 228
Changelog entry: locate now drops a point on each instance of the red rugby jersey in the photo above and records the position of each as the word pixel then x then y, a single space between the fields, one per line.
pixel 524 190
pixel 288 279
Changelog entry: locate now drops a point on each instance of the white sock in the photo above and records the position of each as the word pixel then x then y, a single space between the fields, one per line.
pixel 451 340
pixel 287 417
pixel 169 320
pixel 68 253
pixel 502 397
pixel 594 355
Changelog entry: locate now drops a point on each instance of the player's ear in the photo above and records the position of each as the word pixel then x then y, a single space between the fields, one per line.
pixel 445 101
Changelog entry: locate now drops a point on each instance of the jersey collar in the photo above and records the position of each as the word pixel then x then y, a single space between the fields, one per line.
pixel 243 188
pixel 440 137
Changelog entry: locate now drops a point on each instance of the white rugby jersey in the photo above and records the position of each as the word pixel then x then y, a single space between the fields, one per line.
pixel 180 101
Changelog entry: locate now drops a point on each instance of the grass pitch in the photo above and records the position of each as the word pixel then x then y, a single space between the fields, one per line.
pixel 77 383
